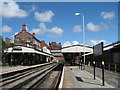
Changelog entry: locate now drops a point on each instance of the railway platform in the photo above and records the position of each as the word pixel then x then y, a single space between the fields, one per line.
pixel 73 77
pixel 9 69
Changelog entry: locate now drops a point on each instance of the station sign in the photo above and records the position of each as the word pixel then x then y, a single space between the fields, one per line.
pixel 98 49
pixel 17 48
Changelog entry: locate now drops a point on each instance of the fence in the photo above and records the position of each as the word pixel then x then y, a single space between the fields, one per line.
pixel 107 66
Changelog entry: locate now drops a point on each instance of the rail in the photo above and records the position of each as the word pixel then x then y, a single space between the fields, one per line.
pixel 26 78
pixel 108 66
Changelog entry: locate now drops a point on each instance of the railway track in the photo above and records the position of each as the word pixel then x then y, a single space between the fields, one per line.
pixel 27 79
pixel 52 80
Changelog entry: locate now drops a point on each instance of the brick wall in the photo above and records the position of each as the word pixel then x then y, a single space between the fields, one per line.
pixel 44 44
pixel 26 39
pixel 55 46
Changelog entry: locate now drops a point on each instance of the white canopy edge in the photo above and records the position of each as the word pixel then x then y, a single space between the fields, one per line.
pixel 75 49
pixel 104 49
pixel 26 50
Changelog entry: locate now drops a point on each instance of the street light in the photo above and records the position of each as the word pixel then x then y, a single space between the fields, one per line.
pixel 83 34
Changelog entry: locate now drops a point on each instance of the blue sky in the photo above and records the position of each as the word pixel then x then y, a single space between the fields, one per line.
pixel 55 21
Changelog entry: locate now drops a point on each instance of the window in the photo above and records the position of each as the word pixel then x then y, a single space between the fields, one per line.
pixel 28 39
pixel 17 39
pixel 38 44
pixel 23 39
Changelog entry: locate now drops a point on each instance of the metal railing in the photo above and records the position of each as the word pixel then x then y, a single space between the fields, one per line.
pixel 108 66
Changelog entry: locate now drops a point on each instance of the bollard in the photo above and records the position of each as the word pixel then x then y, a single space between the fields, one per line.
pixel 88 63
pixel 94 68
pixel 103 73
pixel 81 64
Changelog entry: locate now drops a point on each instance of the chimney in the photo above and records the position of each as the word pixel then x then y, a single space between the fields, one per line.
pixel 24 27
pixel 33 34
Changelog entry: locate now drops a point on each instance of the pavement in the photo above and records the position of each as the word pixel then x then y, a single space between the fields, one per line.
pixel 8 69
pixel 5 69
pixel 73 77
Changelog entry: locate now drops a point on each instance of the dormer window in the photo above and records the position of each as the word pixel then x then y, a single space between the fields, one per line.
pixel 17 39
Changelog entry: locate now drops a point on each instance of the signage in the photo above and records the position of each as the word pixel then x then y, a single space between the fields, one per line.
pixel 98 49
pixel 17 48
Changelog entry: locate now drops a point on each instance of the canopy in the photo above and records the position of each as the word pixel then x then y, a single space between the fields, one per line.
pixel 77 49
pixel 22 49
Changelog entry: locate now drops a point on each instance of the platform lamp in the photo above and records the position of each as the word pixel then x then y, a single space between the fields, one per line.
pixel 83 33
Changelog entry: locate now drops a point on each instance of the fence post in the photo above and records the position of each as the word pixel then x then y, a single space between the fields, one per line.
pixel 100 65
pixel 115 67
pixel 109 66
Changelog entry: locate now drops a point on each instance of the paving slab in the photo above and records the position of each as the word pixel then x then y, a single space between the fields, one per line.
pixel 6 69
pixel 76 78
pixel 68 78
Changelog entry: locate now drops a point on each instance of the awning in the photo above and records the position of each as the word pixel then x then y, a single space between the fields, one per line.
pixel 21 49
pixel 77 49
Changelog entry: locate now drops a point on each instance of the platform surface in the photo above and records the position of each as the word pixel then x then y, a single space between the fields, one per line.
pixel 75 78
pixel 7 69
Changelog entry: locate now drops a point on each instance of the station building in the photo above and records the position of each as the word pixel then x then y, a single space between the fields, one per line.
pixel 24 38
pixel 21 55
pixel 74 54
pixel 56 51
pixel 27 50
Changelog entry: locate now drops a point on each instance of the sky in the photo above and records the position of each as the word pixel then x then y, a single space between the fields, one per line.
pixel 57 22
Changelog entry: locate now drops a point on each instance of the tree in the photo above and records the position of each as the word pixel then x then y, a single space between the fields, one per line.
pixel 4 45
pixel 0 48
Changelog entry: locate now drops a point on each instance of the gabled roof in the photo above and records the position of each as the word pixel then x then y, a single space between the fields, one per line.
pixel 77 45
pixel 29 34
pixel 77 49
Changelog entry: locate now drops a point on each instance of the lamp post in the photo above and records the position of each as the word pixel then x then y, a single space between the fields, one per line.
pixel 83 34
pixel 11 60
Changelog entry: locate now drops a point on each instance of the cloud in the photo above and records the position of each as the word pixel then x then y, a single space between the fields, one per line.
pixel 11 9
pixel 77 28
pixel 14 35
pixel 93 27
pixel 32 8
pixel 41 30
pixel 42 26
pixel 68 43
pixel 94 42
pixel 75 42
pixel 6 29
pixel 107 15
pixel 54 32
pixel 44 16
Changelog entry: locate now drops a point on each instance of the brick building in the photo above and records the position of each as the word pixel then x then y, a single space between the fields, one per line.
pixel 55 46
pixel 45 47
pixel 24 38
pixel 43 44
pixel 9 41
pixel 55 49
